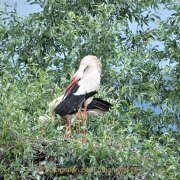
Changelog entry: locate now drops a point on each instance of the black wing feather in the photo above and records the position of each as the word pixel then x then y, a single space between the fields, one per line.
pixel 99 104
pixel 72 102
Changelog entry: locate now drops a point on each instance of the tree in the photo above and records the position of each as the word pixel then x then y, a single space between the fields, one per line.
pixel 38 53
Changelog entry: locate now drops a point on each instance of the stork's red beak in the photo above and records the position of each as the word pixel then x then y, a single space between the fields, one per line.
pixel 74 81
pixel 74 78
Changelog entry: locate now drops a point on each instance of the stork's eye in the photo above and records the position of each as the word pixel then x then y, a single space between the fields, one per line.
pixel 85 69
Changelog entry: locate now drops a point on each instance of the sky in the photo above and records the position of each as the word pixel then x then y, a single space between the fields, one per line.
pixel 23 7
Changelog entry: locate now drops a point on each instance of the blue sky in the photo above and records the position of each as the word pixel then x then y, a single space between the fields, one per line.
pixel 23 7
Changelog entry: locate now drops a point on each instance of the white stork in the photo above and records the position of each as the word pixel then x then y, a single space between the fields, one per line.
pixel 96 107
pixel 84 85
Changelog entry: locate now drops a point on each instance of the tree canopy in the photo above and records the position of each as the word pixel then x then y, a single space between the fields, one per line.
pixel 141 74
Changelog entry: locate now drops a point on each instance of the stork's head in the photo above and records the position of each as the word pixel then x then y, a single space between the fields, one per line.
pixel 89 66
pixel 87 63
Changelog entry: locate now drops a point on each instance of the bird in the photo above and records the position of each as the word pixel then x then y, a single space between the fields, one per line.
pixel 97 107
pixel 80 92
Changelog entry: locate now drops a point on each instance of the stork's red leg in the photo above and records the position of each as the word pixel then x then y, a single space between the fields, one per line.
pixel 83 139
pixel 78 118
pixel 84 119
pixel 68 129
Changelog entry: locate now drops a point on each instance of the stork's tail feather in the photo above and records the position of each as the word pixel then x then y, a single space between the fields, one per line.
pixel 99 104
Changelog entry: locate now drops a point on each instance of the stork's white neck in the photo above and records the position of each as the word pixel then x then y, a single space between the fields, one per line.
pixel 90 82
pixel 89 73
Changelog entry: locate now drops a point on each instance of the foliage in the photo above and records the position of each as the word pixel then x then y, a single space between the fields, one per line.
pixel 38 53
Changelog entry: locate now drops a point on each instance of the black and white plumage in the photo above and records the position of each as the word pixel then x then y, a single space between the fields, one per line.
pixel 98 107
pixel 78 96
pixel 95 107
pixel 84 85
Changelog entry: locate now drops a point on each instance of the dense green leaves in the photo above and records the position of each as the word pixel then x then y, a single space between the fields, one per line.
pixel 139 52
